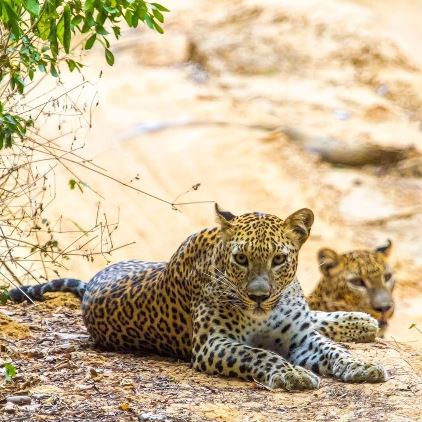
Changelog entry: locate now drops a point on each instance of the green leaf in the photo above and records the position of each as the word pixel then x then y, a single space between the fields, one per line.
pixel 116 31
pixel 141 12
pixel 149 21
pixel 19 83
pixel 158 27
pixel 160 7
pixel 89 23
pixel 8 140
pixel 72 184
pixel 60 30
pixel 142 6
pixel 109 57
pixel 77 20
pixel 111 10
pixel 10 371
pixel 4 295
pixel 32 6
pixel 42 68
pixel 67 33
pixel 101 30
pixel 90 41
pixel 10 119
pixel 106 42
pixel 43 26
pixel 159 16
pixel 128 17
pixel 54 45
pixel 89 5
pixel 53 71
pixel 101 18
pixel 71 64
pixel 12 19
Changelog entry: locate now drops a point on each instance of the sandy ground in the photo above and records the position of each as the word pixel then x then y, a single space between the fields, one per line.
pixel 347 70
pixel 61 377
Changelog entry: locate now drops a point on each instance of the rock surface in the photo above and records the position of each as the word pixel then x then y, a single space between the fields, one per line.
pixel 61 378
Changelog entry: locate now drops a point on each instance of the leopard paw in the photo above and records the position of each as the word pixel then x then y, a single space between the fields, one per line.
pixel 356 371
pixel 352 327
pixel 295 378
pixel 365 328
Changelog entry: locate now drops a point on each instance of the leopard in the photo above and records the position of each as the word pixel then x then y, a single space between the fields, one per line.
pixel 228 300
pixel 358 280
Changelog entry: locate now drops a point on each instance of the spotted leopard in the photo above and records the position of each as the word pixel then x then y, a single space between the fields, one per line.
pixel 360 280
pixel 228 300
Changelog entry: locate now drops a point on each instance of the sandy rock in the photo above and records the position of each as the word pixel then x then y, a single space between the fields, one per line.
pixel 364 203
pixel 19 400
pixel 153 417
pixel 151 49
pixel 10 328
pixel 9 408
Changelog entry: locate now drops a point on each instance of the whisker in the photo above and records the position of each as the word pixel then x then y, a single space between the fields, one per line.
pixel 224 276
pixel 228 290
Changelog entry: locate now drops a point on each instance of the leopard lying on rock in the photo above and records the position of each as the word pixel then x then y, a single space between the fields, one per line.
pixel 360 280
pixel 229 301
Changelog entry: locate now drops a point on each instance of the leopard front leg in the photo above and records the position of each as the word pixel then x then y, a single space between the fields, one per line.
pixel 356 327
pixel 218 354
pixel 325 357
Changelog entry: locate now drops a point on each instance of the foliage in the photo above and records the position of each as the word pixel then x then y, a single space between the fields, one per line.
pixel 9 371
pixel 4 295
pixel 35 35
pixel 38 39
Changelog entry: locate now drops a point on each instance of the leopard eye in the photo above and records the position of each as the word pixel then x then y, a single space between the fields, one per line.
pixel 388 276
pixel 358 282
pixel 241 259
pixel 279 259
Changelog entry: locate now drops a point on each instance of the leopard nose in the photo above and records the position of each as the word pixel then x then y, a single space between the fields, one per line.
pixel 258 289
pixel 258 298
pixel 383 308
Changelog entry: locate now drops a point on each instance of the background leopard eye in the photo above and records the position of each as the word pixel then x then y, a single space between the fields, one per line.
pixel 357 282
pixel 241 259
pixel 279 259
pixel 387 276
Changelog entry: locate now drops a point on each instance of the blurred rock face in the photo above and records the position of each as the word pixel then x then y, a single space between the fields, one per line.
pixel 152 49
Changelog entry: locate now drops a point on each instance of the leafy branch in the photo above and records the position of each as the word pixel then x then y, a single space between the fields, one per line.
pixel 36 35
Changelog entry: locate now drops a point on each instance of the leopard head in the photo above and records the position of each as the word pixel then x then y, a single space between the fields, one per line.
pixel 259 256
pixel 362 279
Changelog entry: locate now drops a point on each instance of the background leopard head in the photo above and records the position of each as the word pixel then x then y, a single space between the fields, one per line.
pixel 259 255
pixel 362 279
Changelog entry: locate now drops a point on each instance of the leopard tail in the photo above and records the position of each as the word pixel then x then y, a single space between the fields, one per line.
pixel 36 292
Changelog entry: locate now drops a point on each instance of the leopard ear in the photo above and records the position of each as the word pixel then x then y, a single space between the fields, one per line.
pixel 385 249
pixel 225 218
pixel 328 261
pixel 300 223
